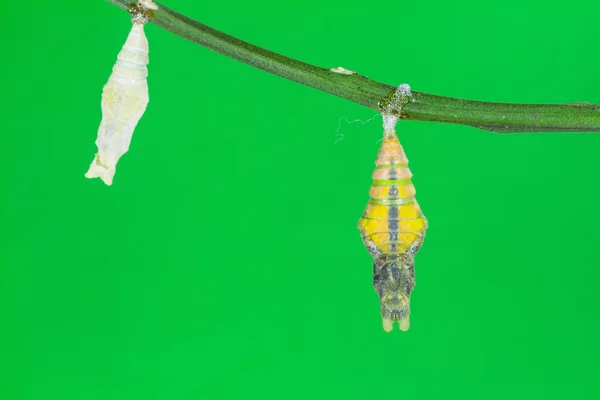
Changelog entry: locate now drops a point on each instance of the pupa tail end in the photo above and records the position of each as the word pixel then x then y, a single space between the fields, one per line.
pixel 98 170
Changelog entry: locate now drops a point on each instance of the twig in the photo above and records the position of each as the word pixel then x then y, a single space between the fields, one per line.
pixel 496 117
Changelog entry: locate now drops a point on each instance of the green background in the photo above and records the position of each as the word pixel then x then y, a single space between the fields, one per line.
pixel 225 262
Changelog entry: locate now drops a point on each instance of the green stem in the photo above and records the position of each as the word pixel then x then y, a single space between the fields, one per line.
pixel 496 117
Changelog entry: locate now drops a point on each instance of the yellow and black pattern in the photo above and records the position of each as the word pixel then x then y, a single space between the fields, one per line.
pixel 393 228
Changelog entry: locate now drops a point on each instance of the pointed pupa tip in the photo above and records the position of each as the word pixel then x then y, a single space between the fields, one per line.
pixel 388 324
pixel 97 170
pixel 404 324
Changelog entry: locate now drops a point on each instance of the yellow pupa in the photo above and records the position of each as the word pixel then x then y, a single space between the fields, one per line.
pixel 393 228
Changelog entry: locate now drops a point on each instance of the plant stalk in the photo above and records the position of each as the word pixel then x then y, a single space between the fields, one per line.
pixel 495 117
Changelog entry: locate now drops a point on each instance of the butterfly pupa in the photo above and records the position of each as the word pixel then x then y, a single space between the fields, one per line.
pixel 393 228
pixel 124 98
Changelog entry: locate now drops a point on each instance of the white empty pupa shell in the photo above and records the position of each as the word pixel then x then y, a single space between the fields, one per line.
pixel 124 100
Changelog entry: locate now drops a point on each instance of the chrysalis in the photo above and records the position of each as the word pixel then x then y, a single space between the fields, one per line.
pixel 393 228
pixel 124 99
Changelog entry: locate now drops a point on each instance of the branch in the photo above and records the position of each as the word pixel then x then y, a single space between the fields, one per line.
pixel 495 117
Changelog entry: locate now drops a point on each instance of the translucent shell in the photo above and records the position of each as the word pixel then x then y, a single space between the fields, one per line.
pixel 124 100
